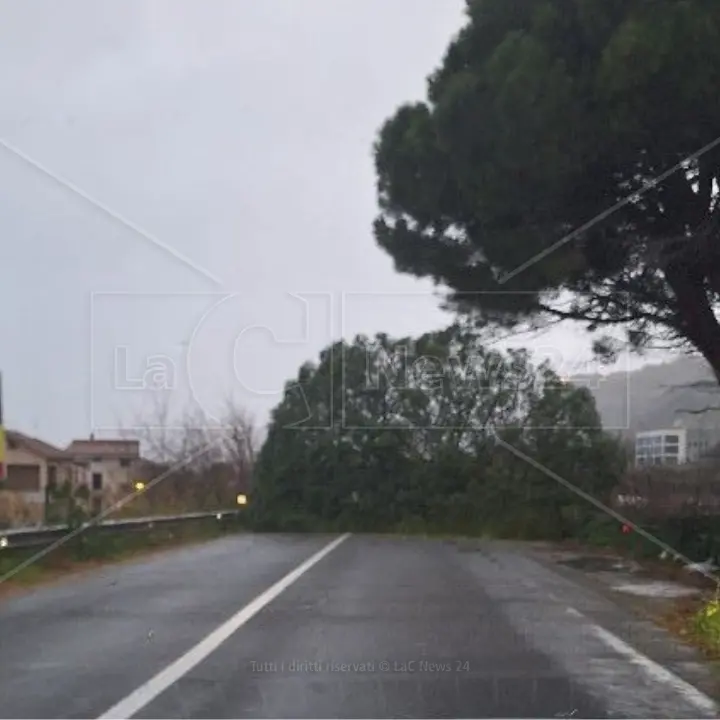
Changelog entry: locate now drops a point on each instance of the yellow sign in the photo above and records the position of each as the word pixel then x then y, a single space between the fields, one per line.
pixel 242 499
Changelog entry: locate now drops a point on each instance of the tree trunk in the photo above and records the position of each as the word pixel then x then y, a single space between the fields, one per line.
pixel 696 315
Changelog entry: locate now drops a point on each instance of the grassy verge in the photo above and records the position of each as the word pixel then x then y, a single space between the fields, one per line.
pixel 93 548
pixel 697 622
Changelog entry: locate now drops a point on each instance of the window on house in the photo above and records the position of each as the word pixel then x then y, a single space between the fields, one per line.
pixel 672 449
pixel 671 438
pixel 23 478
pixel 52 475
pixel 97 481
pixel 97 459
pixel 124 462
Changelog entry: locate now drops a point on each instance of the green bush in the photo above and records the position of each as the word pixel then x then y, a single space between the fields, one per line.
pixel 706 623
pixel 601 530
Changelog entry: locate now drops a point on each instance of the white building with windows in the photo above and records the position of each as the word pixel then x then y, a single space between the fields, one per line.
pixel 661 447
pixel 674 446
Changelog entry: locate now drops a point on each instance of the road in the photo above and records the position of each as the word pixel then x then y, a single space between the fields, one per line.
pixel 326 627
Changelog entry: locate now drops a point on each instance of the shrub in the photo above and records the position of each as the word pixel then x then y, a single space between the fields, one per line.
pixel 706 623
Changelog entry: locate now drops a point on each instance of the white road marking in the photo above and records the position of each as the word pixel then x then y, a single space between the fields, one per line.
pixel 654 671
pixel 139 698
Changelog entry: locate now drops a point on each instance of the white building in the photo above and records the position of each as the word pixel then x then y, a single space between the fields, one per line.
pixel 661 447
pixel 674 446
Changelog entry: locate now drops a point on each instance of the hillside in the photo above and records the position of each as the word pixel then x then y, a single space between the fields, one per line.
pixel 650 398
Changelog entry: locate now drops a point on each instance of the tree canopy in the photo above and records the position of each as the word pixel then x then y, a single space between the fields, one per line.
pixel 386 433
pixel 565 164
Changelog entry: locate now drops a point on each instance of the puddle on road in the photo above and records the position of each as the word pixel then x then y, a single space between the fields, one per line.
pixel 656 589
pixel 600 563
pixel 625 576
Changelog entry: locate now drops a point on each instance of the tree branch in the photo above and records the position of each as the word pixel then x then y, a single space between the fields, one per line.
pixel 702 411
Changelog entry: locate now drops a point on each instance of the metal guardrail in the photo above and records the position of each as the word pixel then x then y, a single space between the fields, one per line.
pixel 43 535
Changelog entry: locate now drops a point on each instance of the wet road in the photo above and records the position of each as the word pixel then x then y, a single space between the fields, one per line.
pixel 325 627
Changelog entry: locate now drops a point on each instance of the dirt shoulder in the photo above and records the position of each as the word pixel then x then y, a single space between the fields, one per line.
pixel 664 592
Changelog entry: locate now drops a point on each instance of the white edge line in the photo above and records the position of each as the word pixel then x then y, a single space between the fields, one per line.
pixel 652 670
pixel 139 698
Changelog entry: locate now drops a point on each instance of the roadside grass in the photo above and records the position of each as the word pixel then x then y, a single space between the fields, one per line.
pixel 90 550
pixel 696 621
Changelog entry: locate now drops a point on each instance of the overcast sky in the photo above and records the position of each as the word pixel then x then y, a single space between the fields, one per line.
pixel 237 136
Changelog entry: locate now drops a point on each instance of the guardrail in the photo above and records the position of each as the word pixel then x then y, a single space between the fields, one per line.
pixel 44 535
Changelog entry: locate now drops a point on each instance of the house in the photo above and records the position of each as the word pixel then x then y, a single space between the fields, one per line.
pixel 105 467
pixel 110 464
pixel 33 465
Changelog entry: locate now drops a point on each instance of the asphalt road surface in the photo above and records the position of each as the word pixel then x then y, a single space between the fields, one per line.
pixel 328 627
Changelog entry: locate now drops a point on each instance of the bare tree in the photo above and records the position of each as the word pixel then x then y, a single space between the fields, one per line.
pixel 213 458
pixel 241 441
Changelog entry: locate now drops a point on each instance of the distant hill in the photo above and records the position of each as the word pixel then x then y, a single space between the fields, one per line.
pixel 651 397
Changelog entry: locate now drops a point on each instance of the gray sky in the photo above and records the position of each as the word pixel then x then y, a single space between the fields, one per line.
pixel 237 134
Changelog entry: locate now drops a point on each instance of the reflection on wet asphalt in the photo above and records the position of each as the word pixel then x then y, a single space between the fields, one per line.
pixel 380 627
